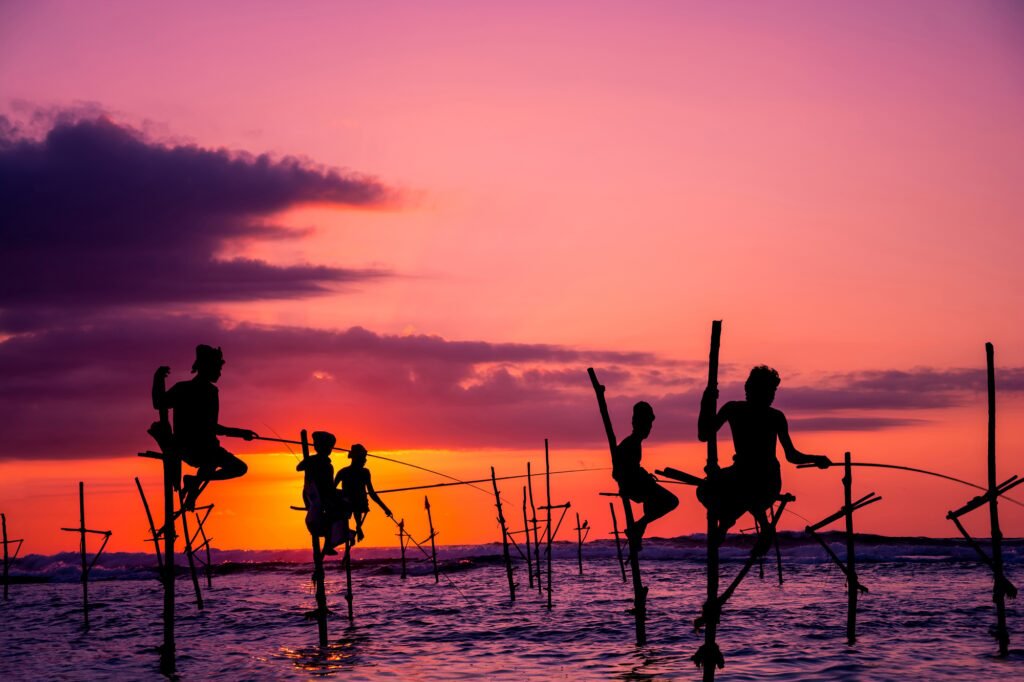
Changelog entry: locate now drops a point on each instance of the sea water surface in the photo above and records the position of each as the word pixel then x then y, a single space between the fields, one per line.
pixel 927 617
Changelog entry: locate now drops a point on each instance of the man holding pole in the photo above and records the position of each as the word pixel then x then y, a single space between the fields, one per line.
pixel 196 406
pixel 753 482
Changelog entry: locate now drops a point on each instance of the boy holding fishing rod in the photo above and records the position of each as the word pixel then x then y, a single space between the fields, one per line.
pixel 753 482
pixel 356 487
pixel 196 406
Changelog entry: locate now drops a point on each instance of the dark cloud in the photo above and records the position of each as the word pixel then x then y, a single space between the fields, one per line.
pixel 92 216
pixel 84 391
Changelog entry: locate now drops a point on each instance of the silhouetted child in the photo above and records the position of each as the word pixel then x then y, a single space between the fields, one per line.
pixel 356 486
pixel 753 482
pixel 196 408
pixel 322 510
pixel 634 481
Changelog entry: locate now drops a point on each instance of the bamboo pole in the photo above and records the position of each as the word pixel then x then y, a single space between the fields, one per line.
pixel 998 591
pixel 778 552
pixel 618 542
pixel 709 656
pixel 526 536
pixel 401 546
pixel 580 537
pixel 7 560
pixel 318 564
pixel 536 524
pixel 348 578
pixel 639 589
pixel 851 559
pixel 433 547
pixel 504 539
pixel 547 483
pixel 208 566
pixel 168 650
pixel 191 559
pixel 152 526
pixel 85 565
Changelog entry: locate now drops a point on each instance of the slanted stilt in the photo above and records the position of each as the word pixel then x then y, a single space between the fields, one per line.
pixel 205 544
pixel 152 528
pixel 504 538
pixel 618 542
pixel 433 547
pixel 86 564
pixel 191 559
pixel 639 589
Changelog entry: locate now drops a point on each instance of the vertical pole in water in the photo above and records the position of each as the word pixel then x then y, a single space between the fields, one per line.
pixel 318 566
pixel 851 560
pixel 191 559
pixel 998 593
pixel 401 546
pixel 618 543
pixel 85 566
pixel 7 561
pixel 504 539
pixel 547 482
pixel 526 536
pixel 167 651
pixel 778 552
pixel 536 523
pixel 579 542
pixel 433 547
pixel 208 568
pixel 348 577
pixel 709 655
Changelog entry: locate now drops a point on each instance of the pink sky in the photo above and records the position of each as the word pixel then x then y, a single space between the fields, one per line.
pixel 839 182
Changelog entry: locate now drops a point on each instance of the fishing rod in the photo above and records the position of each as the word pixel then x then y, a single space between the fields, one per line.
pixel 484 480
pixel 917 471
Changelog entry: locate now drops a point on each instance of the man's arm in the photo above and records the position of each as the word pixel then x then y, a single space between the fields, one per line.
pixel 373 494
pixel 233 432
pixel 708 423
pixel 793 455
pixel 160 400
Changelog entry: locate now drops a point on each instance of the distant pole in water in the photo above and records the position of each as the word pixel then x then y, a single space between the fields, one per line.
pixel 1002 587
pixel 579 540
pixel 618 542
pixel 86 564
pixel 778 552
pixel 401 546
pixel 547 483
pixel 433 547
pixel 504 539
pixel 536 523
pixel 851 558
pixel 7 560
pixel 526 534
pixel 348 577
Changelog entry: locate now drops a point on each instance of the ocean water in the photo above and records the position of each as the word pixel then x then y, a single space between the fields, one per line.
pixel 927 617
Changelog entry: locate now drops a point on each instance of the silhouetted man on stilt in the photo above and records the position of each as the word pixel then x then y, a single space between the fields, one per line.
pixel 753 482
pixel 355 487
pixel 196 408
pixel 634 481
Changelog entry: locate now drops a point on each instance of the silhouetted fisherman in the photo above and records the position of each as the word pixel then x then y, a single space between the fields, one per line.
pixel 356 486
pixel 196 408
pixel 322 506
pixel 634 481
pixel 753 482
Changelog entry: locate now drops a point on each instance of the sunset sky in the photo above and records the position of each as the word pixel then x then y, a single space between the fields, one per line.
pixel 417 224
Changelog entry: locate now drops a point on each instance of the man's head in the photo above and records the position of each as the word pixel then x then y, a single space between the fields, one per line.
pixel 643 419
pixel 323 442
pixel 761 385
pixel 209 361
pixel 357 454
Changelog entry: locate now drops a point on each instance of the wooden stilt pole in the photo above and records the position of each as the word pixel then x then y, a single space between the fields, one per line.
pixel 433 547
pixel 526 535
pixel 504 539
pixel 851 559
pixel 536 525
pixel 639 589
pixel 778 552
pixel 85 565
pixel 319 574
pixel 201 532
pixel 547 483
pixel 168 663
pixel 579 542
pixel 401 546
pixel 7 560
pixel 998 590
pixel 709 656
pixel 191 559
pixel 152 526
pixel 348 578
pixel 618 542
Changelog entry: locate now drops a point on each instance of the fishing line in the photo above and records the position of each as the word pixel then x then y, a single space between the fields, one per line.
pixel 441 572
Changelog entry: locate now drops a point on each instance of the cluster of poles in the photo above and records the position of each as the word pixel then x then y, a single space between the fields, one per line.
pixel 537 532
